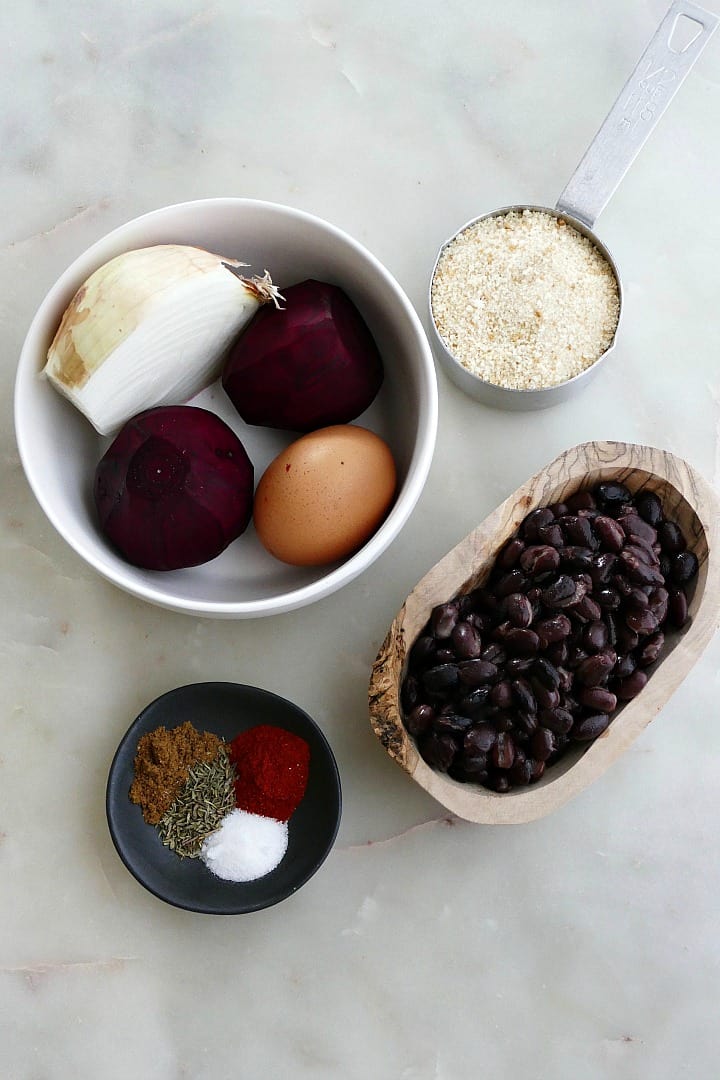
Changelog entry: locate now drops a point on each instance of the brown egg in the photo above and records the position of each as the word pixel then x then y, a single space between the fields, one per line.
pixel 324 495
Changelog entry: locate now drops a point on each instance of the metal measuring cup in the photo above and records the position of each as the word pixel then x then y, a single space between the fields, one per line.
pixel 642 101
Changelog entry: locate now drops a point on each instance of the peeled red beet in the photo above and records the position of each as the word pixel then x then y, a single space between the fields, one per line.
pixel 308 365
pixel 174 489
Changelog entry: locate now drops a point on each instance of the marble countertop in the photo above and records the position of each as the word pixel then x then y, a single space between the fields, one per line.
pixel 579 947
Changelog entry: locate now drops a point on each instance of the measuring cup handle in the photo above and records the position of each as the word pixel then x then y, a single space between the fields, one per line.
pixel 644 98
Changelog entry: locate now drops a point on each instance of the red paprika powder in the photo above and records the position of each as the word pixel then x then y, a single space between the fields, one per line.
pixel 272 770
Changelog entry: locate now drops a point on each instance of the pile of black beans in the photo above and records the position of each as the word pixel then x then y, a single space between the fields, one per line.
pixel 503 680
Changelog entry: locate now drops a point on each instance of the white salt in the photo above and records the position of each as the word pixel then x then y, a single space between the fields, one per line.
pixel 245 847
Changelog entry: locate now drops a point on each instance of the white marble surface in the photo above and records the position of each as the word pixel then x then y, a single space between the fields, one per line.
pixel 583 946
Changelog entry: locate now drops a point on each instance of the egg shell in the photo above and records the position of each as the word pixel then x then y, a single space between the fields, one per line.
pixel 325 495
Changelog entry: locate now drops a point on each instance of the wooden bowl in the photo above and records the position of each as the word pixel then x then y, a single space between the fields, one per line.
pixel 686 497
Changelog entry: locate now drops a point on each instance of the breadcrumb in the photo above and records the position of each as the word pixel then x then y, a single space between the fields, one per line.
pixel 524 301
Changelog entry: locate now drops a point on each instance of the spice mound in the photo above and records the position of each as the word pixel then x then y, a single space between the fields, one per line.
pixel 524 301
pixel 162 765
pixel 272 770
pixel 229 805
pixel 245 847
pixel 199 809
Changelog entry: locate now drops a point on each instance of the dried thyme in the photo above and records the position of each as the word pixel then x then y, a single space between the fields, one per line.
pixel 208 795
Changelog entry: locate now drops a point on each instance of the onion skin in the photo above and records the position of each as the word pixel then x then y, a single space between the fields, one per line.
pixel 312 364
pixel 174 488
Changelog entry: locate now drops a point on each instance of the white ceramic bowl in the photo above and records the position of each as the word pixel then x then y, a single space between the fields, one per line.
pixel 59 449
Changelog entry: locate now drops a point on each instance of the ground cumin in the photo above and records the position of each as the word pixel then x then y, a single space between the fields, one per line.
pixel 162 763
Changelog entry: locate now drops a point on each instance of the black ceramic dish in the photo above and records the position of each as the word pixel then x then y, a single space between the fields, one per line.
pixel 225 709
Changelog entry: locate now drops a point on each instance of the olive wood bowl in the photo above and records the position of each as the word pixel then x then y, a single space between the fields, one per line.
pixel 686 497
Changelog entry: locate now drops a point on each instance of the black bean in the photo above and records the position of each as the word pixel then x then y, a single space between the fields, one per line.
pixel 498 781
pixel 519 609
pixel 542 744
pixel 444 656
pixel 551 534
pixel 466 641
pixel 595 669
pixel 508 555
pixel 482 621
pixel 574 558
pixel 683 567
pixel 631 685
pixel 538 768
pixel 522 642
pixel 603 567
pixel 485 601
pixel 607 598
pixel 642 551
pixel 677 608
pixel 410 696
pixel 514 581
pixel 636 598
pixel 649 508
pixel 443 619
pixel 480 739
pixel 525 723
pixel 539 559
pixel 438 751
pixel 595 636
pixel 439 680
pixel 626 639
pixel 625 666
pixel 559 592
pixel 598 699
pixel 650 649
pixel 501 694
pixel 557 720
pixel 586 609
pixel 523 695
pixel 579 531
pixel 554 628
pixel 658 600
pixel 474 764
pixel 518 665
pixel 469 770
pixel 423 651
pixel 521 771
pixel 546 673
pixel 612 496
pixel 418 720
pixel 475 702
pixel 633 525
pixel 581 500
pixel 494 654
pixel 474 672
pixel 531 524
pixel 502 754
pixel 641 621
pixel 589 727
pixel 609 533
pixel 546 699
pixel 451 724
pixel 639 572
pixel 671 538
pixel 557 652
